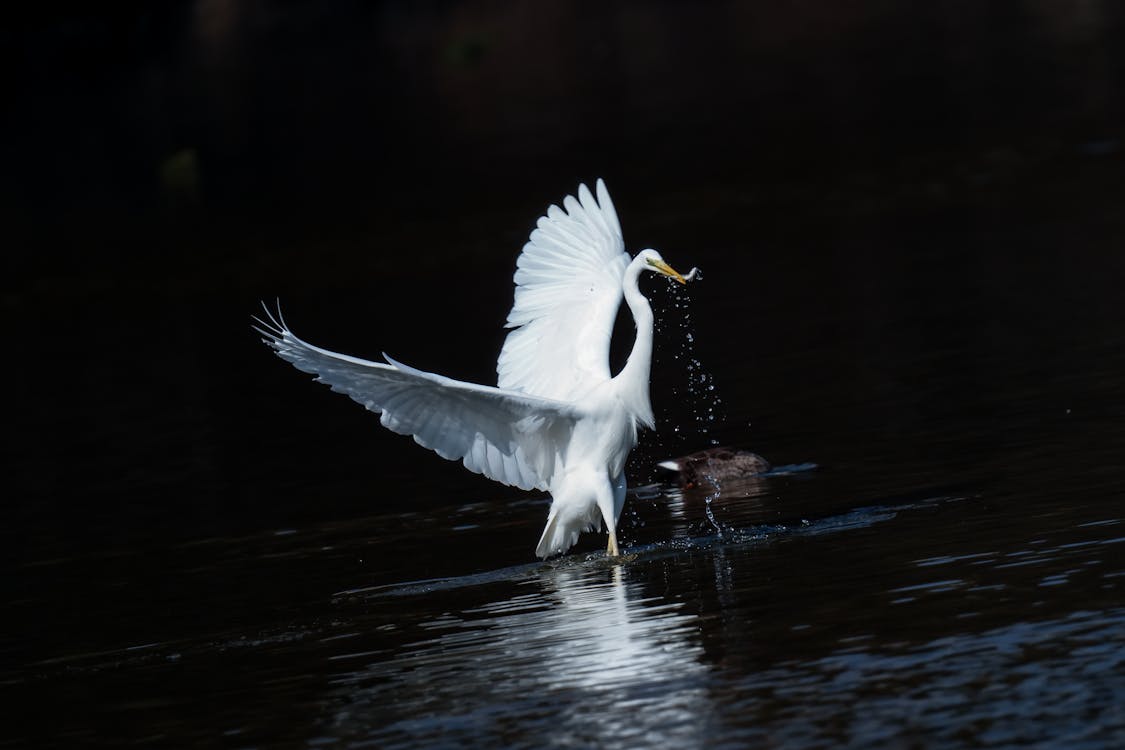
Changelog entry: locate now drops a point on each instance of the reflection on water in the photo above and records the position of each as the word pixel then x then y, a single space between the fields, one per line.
pixel 933 618
pixel 568 655
pixel 680 641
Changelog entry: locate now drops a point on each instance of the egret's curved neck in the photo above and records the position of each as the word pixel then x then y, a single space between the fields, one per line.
pixel 633 379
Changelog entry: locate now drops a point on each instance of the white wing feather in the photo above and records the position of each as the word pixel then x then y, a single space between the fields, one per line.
pixel 568 289
pixel 511 437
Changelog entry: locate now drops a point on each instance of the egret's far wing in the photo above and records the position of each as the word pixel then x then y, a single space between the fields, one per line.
pixel 507 436
pixel 568 289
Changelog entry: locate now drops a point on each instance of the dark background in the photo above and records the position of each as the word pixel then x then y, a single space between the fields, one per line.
pixel 834 168
pixel 910 220
pixel 212 142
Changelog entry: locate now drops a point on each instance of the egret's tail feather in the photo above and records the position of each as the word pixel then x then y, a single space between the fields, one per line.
pixel 556 538
pixel 561 533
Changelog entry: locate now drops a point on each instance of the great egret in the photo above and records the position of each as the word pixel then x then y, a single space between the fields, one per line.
pixel 557 420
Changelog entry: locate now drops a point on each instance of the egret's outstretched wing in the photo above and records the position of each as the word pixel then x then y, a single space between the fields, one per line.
pixel 568 289
pixel 507 436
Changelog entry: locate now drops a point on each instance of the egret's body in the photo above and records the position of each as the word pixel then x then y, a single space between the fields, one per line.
pixel 557 420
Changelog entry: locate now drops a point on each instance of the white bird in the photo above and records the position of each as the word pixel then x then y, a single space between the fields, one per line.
pixel 557 420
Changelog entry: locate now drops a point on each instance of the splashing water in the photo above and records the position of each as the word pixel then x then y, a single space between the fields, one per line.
pixel 706 405
pixel 672 323
pixel 699 390
pixel 716 490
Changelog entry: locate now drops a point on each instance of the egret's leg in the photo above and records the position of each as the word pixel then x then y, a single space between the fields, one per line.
pixel 611 548
pixel 607 504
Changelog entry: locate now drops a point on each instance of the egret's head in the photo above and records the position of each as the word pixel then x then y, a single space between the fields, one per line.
pixel 653 262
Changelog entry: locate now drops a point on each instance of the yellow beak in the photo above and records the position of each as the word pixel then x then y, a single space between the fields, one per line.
pixel 667 270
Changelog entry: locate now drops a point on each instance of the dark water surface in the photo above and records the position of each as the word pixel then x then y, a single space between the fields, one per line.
pixel 912 232
pixel 257 562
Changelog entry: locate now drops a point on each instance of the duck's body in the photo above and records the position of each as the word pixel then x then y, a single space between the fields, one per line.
pixel 716 465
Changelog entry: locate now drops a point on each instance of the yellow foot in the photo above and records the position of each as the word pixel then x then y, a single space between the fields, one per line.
pixel 611 548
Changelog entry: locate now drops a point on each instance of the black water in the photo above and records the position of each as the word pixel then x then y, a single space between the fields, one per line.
pixel 919 323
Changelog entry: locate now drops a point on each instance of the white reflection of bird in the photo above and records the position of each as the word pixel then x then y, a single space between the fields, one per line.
pixel 557 421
